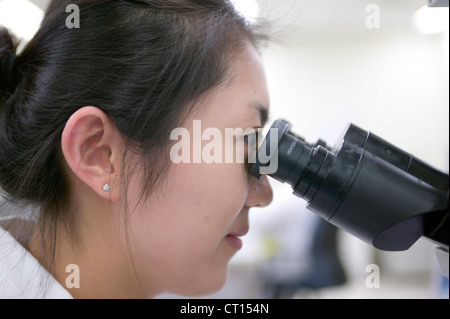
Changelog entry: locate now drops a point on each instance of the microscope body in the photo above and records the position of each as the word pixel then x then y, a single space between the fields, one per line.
pixel 387 197
pixel 364 186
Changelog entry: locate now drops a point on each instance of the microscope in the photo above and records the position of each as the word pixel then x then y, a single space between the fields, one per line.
pixel 365 186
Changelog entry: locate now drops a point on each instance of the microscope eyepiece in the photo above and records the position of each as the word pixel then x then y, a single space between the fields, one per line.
pixel 366 186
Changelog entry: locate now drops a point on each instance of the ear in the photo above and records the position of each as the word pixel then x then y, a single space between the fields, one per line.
pixel 91 144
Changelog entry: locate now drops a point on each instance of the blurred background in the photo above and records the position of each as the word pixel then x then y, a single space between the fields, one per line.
pixel 380 64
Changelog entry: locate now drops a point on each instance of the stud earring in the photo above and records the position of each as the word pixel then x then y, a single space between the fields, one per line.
pixel 106 188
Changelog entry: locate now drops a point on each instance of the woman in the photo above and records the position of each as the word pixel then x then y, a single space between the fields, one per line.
pixel 86 116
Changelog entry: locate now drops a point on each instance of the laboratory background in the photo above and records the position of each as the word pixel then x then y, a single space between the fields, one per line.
pixel 380 64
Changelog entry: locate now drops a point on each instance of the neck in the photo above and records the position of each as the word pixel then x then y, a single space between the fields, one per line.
pixel 93 263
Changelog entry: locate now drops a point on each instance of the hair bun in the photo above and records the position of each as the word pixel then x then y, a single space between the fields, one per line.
pixel 8 46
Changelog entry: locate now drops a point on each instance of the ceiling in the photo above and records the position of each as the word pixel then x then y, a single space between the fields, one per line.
pixel 325 18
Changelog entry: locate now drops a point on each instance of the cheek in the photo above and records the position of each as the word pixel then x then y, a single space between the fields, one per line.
pixel 205 200
pixel 180 230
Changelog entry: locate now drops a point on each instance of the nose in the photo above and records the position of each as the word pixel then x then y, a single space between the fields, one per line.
pixel 260 192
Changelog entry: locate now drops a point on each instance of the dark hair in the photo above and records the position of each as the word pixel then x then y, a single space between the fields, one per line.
pixel 143 62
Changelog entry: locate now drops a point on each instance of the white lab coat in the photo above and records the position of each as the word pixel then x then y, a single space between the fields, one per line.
pixel 21 275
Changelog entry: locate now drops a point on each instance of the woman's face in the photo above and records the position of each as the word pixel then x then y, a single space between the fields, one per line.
pixel 186 233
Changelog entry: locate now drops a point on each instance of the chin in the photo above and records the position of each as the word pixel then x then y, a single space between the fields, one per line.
pixel 206 285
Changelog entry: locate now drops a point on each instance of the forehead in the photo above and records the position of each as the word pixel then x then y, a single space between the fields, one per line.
pixel 244 100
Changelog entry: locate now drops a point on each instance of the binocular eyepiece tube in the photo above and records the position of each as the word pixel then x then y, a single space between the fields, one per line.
pixel 365 186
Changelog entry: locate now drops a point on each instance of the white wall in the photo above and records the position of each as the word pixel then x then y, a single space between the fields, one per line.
pixel 395 86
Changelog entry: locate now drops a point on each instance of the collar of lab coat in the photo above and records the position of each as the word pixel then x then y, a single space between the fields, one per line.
pixel 21 275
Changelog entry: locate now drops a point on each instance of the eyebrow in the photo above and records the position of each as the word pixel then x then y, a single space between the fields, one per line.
pixel 263 113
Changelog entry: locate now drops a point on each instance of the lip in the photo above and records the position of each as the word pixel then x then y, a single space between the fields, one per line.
pixel 234 240
pixel 242 232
